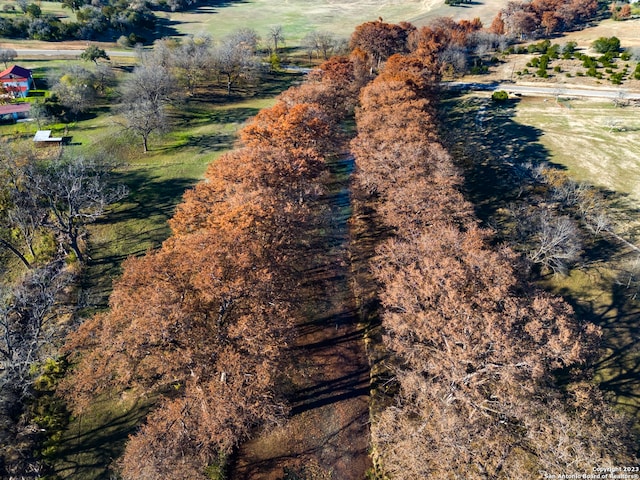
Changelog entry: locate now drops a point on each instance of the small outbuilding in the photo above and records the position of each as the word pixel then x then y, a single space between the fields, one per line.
pixel 15 111
pixel 43 138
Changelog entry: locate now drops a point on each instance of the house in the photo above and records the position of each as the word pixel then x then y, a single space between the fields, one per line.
pixel 43 138
pixel 15 111
pixel 16 80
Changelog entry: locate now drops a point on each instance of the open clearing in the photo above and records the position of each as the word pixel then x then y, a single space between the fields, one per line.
pixel 299 17
pixel 596 141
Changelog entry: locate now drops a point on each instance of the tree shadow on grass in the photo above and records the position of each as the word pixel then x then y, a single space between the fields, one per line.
pixel 491 148
pixel 138 224
pixel 96 438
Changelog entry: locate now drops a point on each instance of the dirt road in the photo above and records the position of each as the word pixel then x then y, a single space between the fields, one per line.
pixel 327 435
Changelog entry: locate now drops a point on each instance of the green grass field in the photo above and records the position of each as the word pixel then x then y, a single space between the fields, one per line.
pixel 299 17
pixel 53 8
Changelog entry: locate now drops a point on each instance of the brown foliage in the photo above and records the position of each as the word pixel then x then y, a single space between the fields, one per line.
pixel 203 321
pixel 380 40
pixel 524 18
pixel 476 348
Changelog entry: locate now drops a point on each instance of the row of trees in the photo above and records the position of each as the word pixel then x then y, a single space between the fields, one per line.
pixel 476 350
pixel 204 321
pixel 46 203
pixel 542 17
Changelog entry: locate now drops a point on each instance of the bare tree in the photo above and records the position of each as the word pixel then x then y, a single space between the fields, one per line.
pixel 76 191
pixel 7 55
pixel 151 83
pixel 193 59
pixel 146 94
pixel 321 44
pixel 29 331
pixel 143 117
pixel 27 327
pixel 276 36
pixel 234 59
pixel 554 241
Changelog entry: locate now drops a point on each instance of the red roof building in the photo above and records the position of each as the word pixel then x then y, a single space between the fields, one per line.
pixel 16 80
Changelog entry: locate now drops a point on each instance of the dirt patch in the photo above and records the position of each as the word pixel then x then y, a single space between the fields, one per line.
pixel 327 435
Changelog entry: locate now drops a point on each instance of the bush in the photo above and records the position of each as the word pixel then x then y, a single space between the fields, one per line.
pixel 500 96
pixel 605 45
pixel 123 41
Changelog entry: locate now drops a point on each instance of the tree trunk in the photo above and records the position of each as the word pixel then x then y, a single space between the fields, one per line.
pixel 144 143
pixel 73 243
pixel 16 252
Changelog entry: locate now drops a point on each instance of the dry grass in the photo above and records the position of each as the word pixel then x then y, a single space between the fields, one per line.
pixel 594 140
pixel 298 17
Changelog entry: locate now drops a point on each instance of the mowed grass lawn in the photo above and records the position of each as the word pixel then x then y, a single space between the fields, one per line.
pixel 299 17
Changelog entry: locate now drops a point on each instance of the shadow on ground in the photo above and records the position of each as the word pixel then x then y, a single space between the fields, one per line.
pixel 491 148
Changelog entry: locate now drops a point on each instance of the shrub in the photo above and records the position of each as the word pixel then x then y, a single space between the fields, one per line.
pixel 500 96
pixel 605 45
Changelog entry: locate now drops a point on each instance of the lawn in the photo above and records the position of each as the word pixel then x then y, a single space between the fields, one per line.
pixel 299 17
pixel 595 140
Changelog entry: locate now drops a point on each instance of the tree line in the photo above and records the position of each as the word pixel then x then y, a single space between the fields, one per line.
pixel 203 322
pixel 493 374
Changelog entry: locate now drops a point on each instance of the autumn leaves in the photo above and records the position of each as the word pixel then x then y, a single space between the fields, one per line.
pixel 476 350
pixel 203 322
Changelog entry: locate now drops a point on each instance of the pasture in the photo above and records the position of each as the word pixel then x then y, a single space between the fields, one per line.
pixel 594 142
pixel 299 17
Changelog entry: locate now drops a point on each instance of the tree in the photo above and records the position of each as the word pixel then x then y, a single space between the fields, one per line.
pixel 27 323
pixel 320 44
pixel 74 5
pixel 143 117
pixel 93 53
pixel 234 59
pixel 75 90
pixel 607 45
pixel 276 36
pixel 193 59
pixel 151 82
pixel 33 10
pixel 380 40
pixel 75 191
pixel 31 325
pixel 7 55
pixel 146 94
